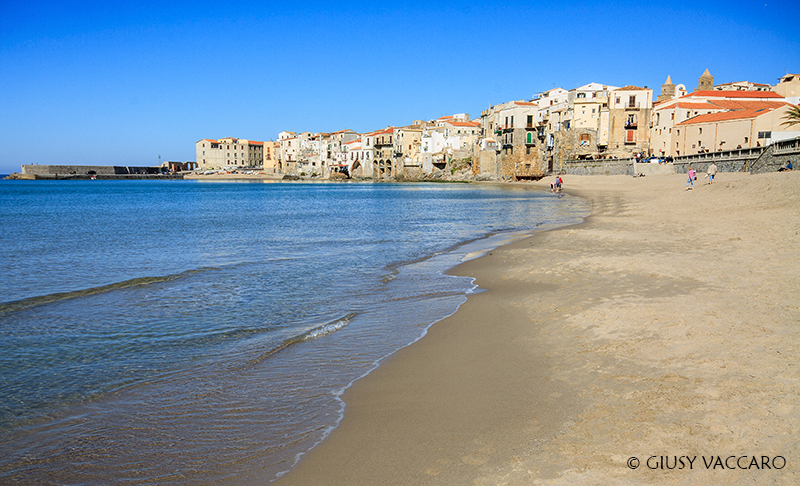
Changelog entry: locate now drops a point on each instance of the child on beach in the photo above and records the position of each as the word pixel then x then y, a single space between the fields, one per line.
pixel 690 182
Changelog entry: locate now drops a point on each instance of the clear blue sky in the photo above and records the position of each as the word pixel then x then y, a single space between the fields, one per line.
pixel 124 82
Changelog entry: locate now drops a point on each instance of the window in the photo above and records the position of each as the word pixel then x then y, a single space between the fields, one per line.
pixel 700 130
pixel 581 95
pixel 529 138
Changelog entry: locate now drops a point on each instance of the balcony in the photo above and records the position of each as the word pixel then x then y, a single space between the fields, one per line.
pixel 631 125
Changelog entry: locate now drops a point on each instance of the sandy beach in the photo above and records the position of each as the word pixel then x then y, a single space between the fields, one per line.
pixel 661 334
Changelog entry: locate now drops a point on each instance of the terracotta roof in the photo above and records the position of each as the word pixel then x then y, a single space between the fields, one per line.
pixel 747 104
pixel 697 106
pixel 631 88
pixel 734 94
pixel 208 140
pixel 525 103
pixel 465 124
pixel 251 142
pixel 382 131
pixel 725 116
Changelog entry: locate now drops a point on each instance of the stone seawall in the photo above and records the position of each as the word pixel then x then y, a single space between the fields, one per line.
pixel 615 167
pixel 55 169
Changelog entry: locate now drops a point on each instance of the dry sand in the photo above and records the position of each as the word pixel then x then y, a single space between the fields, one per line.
pixel 665 325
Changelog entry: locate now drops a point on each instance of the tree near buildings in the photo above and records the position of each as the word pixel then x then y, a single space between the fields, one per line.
pixel 792 116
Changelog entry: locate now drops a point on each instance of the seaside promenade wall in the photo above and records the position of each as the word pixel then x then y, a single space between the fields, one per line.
pixel 48 169
pixel 614 167
pixel 757 160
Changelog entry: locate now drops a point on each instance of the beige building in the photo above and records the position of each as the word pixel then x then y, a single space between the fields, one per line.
pixel 629 109
pixel 728 130
pixel 272 164
pixel 379 146
pixel 789 87
pixel 667 137
pixel 229 152
pixel 407 142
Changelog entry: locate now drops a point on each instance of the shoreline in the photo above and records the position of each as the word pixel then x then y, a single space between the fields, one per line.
pixel 627 335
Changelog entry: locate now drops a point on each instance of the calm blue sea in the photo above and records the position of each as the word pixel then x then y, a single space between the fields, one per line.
pixel 181 332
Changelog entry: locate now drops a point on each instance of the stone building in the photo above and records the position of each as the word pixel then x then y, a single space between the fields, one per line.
pixel 513 130
pixel 229 152
pixel 629 110
pixel 669 91
pixel 407 151
pixel 705 82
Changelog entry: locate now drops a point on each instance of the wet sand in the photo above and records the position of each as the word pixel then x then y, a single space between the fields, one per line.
pixel 665 325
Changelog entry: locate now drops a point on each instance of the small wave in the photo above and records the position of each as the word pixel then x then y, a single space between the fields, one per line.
pixel 319 331
pixel 17 305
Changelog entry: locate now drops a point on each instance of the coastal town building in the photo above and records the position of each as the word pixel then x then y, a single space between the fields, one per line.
pixel 669 90
pixel 381 145
pixel 407 150
pixel 289 146
pixel 332 150
pixel 671 137
pixel 725 130
pixel 743 86
pixel 705 82
pixel 272 164
pixel 590 125
pixel 447 142
pixel 629 109
pixel 789 87
pixel 526 139
pixel 353 156
pixel 229 152
pixel 511 130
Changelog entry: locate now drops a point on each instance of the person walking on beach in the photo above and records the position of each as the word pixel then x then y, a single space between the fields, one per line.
pixel 556 186
pixel 690 182
pixel 711 172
